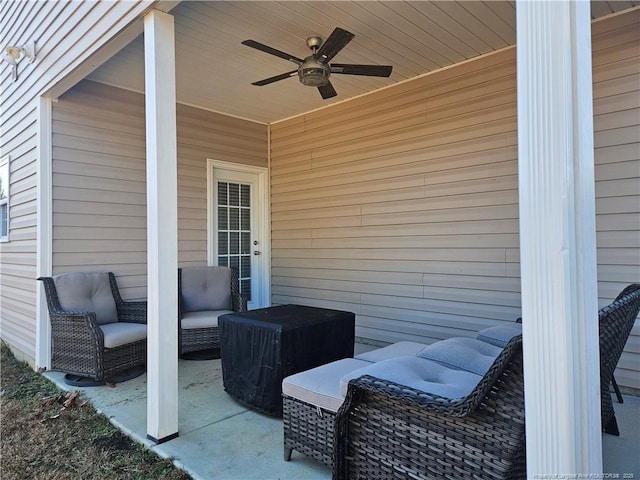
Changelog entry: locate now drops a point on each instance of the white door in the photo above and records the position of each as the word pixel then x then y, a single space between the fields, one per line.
pixel 238 236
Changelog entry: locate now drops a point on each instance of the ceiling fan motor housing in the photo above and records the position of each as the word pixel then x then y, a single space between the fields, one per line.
pixel 315 70
pixel 312 73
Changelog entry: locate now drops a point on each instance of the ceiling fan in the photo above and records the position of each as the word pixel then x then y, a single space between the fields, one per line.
pixel 315 70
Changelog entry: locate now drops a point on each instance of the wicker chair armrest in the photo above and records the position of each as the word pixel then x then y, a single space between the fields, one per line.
pixel 132 312
pixel 406 395
pixel 71 316
pixel 628 290
pixel 239 302
pixel 60 318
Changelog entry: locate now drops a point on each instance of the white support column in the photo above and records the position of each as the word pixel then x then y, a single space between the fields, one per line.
pixel 44 230
pixel 162 227
pixel 557 239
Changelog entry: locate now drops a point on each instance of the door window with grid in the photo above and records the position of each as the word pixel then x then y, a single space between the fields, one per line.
pixel 234 230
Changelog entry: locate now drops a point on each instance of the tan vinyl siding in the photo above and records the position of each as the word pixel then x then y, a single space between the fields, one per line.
pixel 402 206
pixel 65 39
pixel 99 183
pixel 99 192
pixel 202 135
pixel 616 108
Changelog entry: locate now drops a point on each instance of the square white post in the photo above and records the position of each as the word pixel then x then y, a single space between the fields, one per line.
pixel 557 239
pixel 44 230
pixel 162 227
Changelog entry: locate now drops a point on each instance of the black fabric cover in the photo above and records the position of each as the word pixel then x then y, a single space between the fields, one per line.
pixel 260 347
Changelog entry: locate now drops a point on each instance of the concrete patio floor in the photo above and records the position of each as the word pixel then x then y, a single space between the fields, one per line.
pixel 221 439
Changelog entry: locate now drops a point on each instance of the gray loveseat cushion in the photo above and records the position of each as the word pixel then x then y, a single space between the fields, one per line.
pixel 418 373
pixel 397 349
pixel 500 335
pixel 87 292
pixel 206 288
pixel 467 354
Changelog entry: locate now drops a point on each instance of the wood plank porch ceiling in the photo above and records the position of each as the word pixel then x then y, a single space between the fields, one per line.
pixel 214 71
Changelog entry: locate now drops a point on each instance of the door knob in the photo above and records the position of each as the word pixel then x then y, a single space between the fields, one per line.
pixel 256 252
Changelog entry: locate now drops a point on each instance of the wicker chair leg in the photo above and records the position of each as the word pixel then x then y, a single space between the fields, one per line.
pixel 612 427
pixel 287 453
pixel 617 390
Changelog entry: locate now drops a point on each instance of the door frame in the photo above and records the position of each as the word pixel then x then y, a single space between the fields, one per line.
pixel 262 215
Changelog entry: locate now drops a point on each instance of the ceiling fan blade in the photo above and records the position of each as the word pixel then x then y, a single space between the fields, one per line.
pixel 267 49
pixel 269 80
pixel 369 70
pixel 336 42
pixel 327 91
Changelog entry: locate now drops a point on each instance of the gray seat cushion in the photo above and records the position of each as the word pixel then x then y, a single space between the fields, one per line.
pixel 206 288
pixel 121 333
pixel 202 319
pixel 419 373
pixel 467 354
pixel 390 351
pixel 320 386
pixel 87 292
pixel 500 335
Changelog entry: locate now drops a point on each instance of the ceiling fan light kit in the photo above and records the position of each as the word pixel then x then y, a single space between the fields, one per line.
pixel 315 70
pixel 313 73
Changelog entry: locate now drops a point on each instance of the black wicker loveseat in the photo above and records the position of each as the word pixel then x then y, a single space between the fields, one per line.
pixel 615 322
pixel 449 368
pixel 385 430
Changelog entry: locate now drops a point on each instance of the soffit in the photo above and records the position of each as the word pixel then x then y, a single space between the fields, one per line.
pixel 215 71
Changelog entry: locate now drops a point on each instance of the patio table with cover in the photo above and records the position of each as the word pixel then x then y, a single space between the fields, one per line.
pixel 260 347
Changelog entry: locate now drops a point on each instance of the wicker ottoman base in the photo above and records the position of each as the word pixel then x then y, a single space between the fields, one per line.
pixel 308 429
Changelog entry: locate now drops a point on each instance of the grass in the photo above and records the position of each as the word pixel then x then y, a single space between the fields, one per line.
pixel 50 434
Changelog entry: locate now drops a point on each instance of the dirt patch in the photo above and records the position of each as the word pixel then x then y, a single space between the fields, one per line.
pixel 116 442
pixel 54 435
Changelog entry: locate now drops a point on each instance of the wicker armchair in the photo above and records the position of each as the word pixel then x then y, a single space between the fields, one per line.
pixel 205 293
pixel 616 321
pixel 385 430
pixel 95 335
